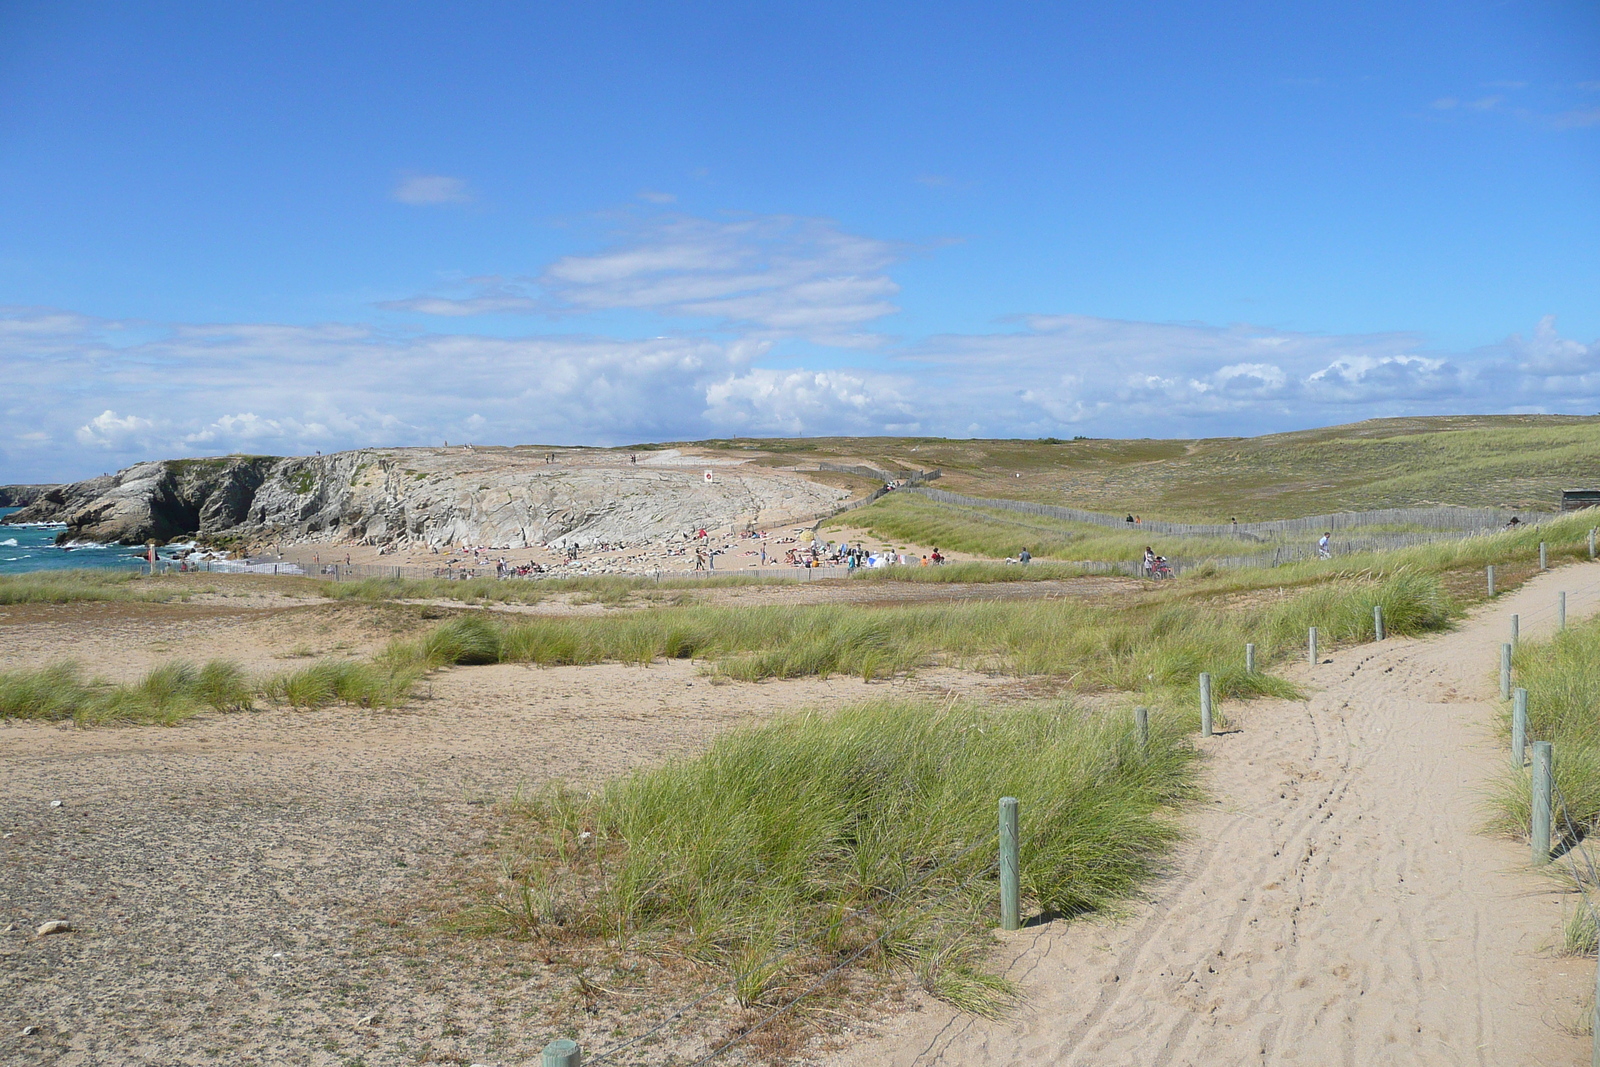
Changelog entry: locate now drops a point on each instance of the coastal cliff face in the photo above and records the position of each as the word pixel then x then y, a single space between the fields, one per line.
pixel 20 496
pixel 158 501
pixel 498 497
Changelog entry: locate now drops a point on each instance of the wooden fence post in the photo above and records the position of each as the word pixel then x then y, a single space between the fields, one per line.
pixel 1561 611
pixel 1010 882
pixel 1490 570
pixel 1250 659
pixel 1519 729
pixel 1377 622
pixel 1540 836
pixel 562 1052
pixel 1311 645
pixel 1505 671
pixel 1141 722
pixel 1516 629
pixel 1544 559
pixel 1205 704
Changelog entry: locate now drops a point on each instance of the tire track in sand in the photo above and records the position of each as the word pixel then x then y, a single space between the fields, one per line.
pixel 1334 903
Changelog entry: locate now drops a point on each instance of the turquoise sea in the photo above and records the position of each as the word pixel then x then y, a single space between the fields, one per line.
pixel 33 548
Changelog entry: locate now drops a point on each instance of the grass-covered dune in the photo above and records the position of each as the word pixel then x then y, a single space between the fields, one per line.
pixel 865 836
pixel 1517 461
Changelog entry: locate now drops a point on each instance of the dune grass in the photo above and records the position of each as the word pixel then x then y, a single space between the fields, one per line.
pixel 866 835
pixel 1562 677
pixel 603 588
pixel 168 694
pixel 1155 647
pixel 90 584
pixel 175 691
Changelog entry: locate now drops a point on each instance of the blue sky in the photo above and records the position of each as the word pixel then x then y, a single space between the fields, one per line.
pixel 284 227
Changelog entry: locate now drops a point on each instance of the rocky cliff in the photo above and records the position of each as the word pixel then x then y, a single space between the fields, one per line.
pixel 500 497
pixel 161 501
pixel 20 496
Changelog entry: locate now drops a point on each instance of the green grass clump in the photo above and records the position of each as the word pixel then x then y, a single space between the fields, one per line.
pixel 1563 683
pixel 790 847
pixel 469 640
pixel 168 694
pixel 367 685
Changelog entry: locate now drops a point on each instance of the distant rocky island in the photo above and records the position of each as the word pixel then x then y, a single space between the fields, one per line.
pixel 411 497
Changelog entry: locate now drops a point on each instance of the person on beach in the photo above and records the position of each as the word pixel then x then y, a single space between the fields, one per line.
pixel 1149 561
pixel 1323 551
pixel 1025 555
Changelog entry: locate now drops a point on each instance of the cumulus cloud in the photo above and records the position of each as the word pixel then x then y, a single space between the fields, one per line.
pixel 113 432
pixel 423 189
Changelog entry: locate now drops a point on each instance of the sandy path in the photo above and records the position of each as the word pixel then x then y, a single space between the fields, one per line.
pixel 1335 904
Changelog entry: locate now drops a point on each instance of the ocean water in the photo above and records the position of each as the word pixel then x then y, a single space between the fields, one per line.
pixel 33 548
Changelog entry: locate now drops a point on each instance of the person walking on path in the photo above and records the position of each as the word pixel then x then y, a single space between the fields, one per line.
pixel 1323 551
pixel 1025 555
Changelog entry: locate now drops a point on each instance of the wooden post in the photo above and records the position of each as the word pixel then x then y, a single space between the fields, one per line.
pixel 1505 672
pixel 1311 644
pixel 1249 659
pixel 1561 610
pixel 1010 882
pixel 1377 622
pixel 1205 705
pixel 562 1052
pixel 1540 836
pixel 1516 629
pixel 1490 570
pixel 1519 729
pixel 1141 722
pixel 1544 559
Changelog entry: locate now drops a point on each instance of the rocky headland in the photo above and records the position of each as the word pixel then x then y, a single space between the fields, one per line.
pixel 20 496
pixel 410 497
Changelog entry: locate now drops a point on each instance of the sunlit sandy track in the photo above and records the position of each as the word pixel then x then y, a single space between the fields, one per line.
pixel 1335 903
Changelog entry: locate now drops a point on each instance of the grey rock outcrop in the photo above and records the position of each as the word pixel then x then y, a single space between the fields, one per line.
pixel 499 497
pixel 20 496
pixel 159 501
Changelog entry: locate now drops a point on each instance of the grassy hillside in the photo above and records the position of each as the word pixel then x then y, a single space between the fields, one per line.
pixel 1518 461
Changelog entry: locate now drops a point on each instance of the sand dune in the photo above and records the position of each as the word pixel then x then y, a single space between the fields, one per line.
pixel 1335 905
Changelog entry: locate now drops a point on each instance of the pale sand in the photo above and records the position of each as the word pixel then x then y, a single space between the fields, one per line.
pixel 1336 902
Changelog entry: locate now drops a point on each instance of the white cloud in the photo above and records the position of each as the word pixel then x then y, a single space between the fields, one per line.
pixel 114 432
pixel 423 189
pixel 137 392
pixel 776 276
pixel 652 196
